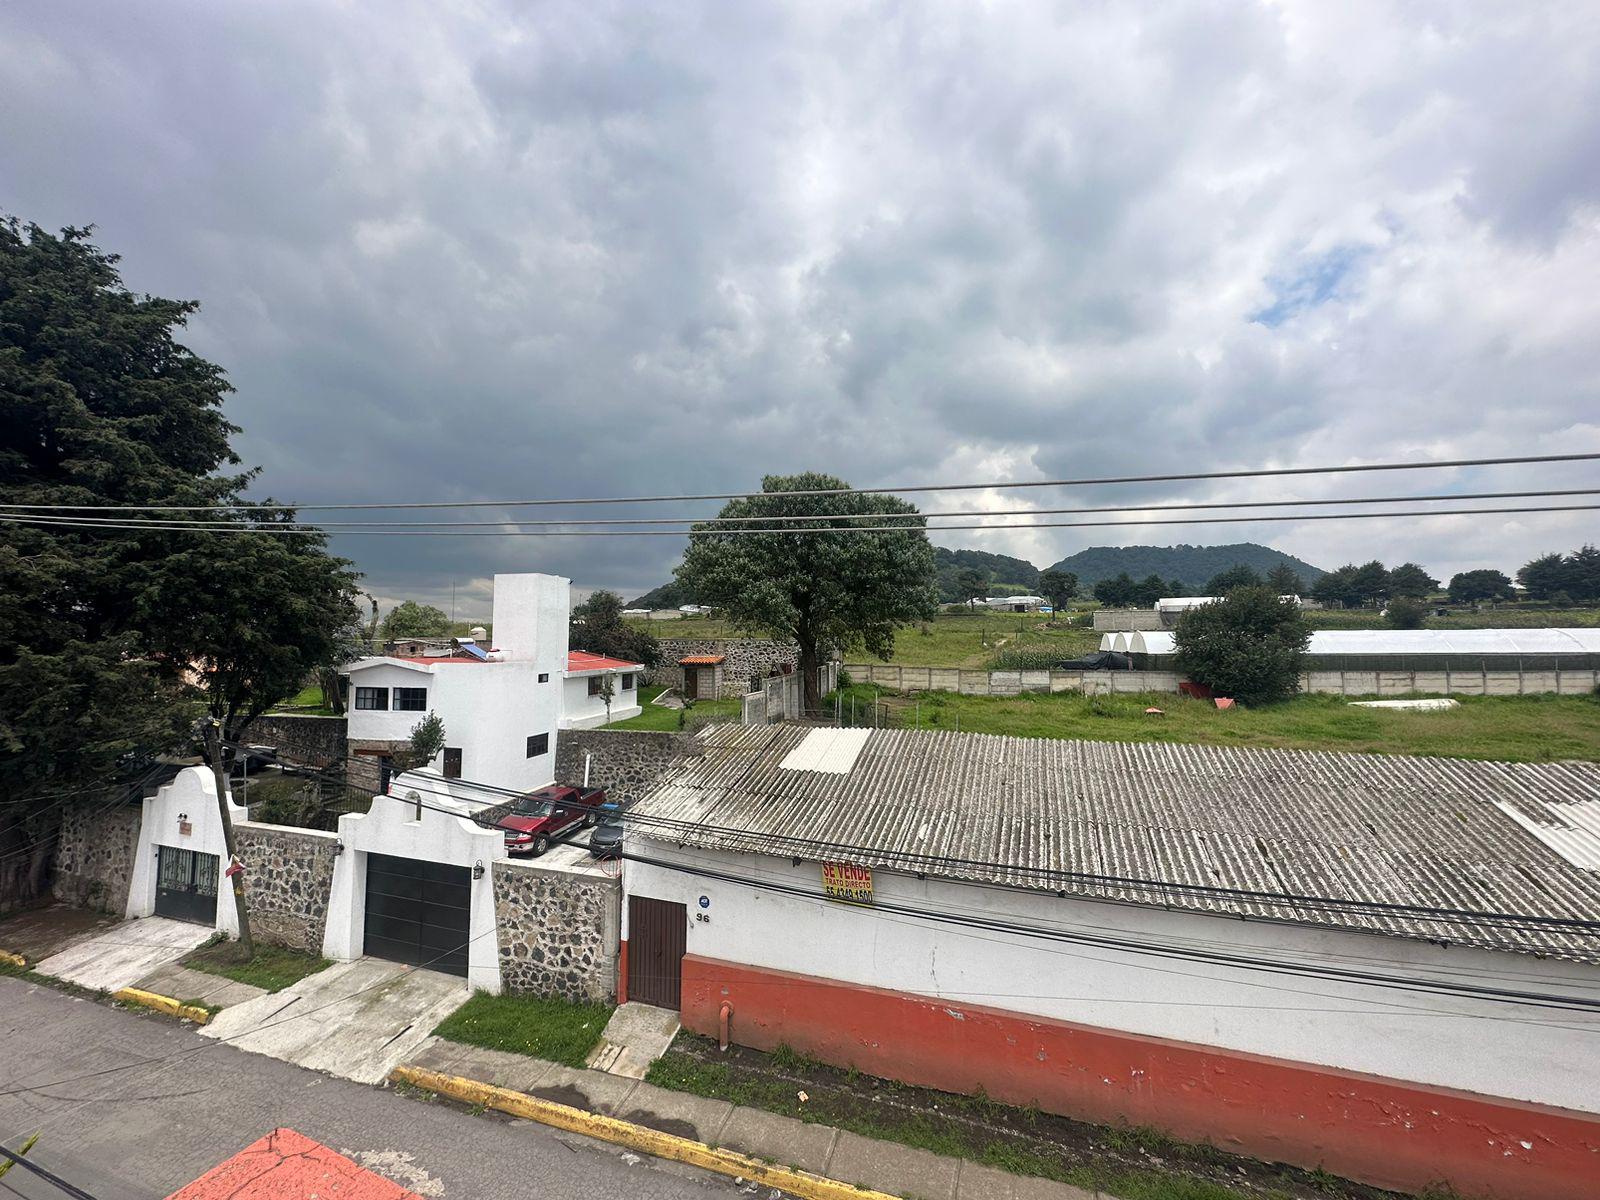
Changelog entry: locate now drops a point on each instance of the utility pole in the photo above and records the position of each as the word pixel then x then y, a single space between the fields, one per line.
pixel 219 772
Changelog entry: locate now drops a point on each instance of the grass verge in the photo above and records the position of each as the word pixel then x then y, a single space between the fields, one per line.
pixel 1498 728
pixel 558 1030
pixel 1133 1163
pixel 273 967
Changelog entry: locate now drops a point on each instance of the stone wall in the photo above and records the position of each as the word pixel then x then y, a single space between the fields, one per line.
pixel 558 931
pixel 363 770
pixel 288 876
pixel 310 741
pixel 747 659
pixel 94 856
pixel 623 761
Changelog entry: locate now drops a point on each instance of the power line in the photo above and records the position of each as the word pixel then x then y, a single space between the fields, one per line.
pixel 1258 473
pixel 94 523
pixel 70 1189
pixel 195 523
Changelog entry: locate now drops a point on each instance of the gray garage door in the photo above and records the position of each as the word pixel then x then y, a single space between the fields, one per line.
pixel 418 913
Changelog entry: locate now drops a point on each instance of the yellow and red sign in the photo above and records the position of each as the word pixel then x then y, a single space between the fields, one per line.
pixel 844 881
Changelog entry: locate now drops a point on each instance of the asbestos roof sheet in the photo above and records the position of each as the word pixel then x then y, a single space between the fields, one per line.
pixel 1349 841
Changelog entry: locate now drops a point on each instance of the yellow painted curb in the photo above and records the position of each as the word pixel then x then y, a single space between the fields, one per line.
pixel 16 960
pixel 635 1137
pixel 166 1004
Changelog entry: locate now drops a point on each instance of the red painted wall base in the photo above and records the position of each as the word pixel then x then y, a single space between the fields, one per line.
pixel 1379 1131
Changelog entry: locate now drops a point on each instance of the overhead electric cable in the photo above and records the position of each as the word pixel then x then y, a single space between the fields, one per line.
pixel 1000 485
pixel 409 526
pixel 95 523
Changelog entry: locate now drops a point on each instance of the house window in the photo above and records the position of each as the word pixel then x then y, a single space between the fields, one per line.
pixel 411 699
pixel 544 676
pixel 372 698
pixel 597 685
pixel 627 683
pixel 538 744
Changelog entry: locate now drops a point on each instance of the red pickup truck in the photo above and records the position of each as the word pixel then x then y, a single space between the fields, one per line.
pixel 535 819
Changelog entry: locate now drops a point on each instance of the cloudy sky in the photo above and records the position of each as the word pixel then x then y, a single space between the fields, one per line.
pixel 494 250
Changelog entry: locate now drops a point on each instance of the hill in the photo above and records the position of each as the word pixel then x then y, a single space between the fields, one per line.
pixel 1192 564
pixel 671 594
pixel 997 568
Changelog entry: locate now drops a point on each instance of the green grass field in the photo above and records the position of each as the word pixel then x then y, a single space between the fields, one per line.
pixel 558 1030
pixel 1500 728
pixel 656 717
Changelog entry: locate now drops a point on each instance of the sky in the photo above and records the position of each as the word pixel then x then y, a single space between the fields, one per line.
pixel 512 250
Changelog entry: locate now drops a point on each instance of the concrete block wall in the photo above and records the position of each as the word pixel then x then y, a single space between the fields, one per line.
pixel 94 857
pixel 309 741
pixel 1126 620
pixel 558 931
pixel 288 876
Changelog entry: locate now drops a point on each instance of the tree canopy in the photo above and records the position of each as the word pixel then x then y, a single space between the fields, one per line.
pixel 1563 577
pixel 1236 576
pixel 1247 645
pixel 1285 581
pixel 1058 587
pixel 113 641
pixel 826 589
pixel 597 626
pixel 1468 587
pixel 1409 579
pixel 408 619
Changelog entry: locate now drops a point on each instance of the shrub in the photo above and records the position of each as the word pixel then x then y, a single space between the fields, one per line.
pixel 1247 645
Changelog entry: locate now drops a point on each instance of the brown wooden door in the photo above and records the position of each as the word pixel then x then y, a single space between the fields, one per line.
pixel 452 762
pixel 656 933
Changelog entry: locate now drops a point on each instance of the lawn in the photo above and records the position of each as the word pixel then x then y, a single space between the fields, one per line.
pixel 308 701
pixel 1499 728
pixel 658 717
pixel 557 1030
pixel 273 967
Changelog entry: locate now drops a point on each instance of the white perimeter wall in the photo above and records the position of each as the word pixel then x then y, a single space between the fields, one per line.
pixel 191 797
pixel 1522 1053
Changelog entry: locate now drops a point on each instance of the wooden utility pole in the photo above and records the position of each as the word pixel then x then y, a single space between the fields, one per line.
pixel 219 772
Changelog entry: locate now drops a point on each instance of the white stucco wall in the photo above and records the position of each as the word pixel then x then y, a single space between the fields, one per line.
pixel 190 797
pixel 583 711
pixel 530 619
pixel 393 826
pixel 1518 1052
pixel 489 711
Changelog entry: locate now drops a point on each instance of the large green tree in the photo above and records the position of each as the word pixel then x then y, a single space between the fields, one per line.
pixel 1411 579
pixel 597 626
pixel 821 589
pixel 408 619
pixel 111 638
pixel 1237 576
pixel 1058 587
pixel 1248 645
pixel 1467 587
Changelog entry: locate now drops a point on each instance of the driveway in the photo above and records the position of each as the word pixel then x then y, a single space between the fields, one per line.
pixel 37 933
pixel 122 955
pixel 356 1020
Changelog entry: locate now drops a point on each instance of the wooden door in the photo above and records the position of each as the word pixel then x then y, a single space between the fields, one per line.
pixel 657 930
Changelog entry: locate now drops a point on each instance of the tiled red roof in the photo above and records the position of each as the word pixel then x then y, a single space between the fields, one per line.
pixel 582 660
pixel 700 660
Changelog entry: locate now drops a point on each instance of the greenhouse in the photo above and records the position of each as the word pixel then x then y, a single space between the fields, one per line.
pixel 1409 649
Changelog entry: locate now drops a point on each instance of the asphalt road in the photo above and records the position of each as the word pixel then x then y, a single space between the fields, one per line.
pixel 145 1131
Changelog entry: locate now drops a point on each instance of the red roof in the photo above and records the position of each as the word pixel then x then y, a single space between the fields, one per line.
pixel 286 1163
pixel 700 660
pixel 582 660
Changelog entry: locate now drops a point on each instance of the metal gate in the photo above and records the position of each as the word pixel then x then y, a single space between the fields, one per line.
pixel 186 885
pixel 418 913
pixel 657 930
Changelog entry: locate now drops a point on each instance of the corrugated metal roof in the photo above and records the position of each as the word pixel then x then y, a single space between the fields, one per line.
pixel 1309 836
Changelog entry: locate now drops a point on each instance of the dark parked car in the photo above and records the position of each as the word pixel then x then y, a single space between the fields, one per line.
pixel 532 821
pixel 606 840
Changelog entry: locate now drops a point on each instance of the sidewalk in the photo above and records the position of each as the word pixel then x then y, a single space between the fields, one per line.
pixel 835 1153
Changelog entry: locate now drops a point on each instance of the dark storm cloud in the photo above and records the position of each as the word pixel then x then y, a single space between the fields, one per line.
pixel 580 249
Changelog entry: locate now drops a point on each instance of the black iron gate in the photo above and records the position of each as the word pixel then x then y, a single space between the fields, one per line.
pixel 418 913
pixel 186 885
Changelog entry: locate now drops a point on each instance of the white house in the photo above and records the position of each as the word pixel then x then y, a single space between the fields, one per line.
pixel 583 695
pixel 502 707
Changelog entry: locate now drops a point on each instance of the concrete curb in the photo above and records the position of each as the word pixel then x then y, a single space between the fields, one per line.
pixel 16 960
pixel 635 1137
pixel 164 1004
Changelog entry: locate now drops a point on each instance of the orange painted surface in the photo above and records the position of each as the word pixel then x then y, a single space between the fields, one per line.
pixel 1380 1131
pixel 622 971
pixel 286 1165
